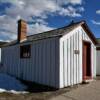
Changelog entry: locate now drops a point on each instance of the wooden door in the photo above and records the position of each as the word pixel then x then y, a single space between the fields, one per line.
pixel 86 60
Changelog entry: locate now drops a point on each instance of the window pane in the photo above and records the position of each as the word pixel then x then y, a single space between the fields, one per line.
pixel 25 51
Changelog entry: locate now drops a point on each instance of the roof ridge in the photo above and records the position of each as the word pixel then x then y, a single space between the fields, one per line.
pixel 80 22
pixel 52 33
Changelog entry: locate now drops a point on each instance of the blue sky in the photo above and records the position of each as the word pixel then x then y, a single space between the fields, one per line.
pixel 47 15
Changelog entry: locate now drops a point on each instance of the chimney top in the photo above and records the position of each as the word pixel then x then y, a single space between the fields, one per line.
pixel 22 30
pixel 21 20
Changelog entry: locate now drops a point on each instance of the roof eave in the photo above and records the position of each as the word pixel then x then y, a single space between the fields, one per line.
pixel 90 34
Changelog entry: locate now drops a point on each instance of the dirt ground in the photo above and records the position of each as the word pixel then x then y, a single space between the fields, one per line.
pixel 38 92
pixel 33 96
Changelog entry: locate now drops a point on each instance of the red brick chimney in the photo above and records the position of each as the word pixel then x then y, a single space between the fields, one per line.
pixel 22 30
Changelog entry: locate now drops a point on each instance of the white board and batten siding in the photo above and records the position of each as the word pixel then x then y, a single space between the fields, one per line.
pixel 43 65
pixel 0 55
pixel 71 63
pixel 53 60
pixel 98 62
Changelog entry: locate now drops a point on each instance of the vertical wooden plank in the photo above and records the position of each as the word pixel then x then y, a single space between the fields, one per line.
pixel 31 62
pixel 54 53
pixel 29 69
pixel 95 62
pixel 15 67
pixel 18 58
pixel 65 62
pixel 64 81
pixel 47 74
pixel 57 62
pixel 78 58
pixel 92 59
pixel 24 71
pixel 51 77
pixel 77 75
pixel 72 67
pixel 42 67
pixel 68 62
pixel 39 62
pixel 25 68
pixel 61 85
pixel 80 55
pixel 38 66
pixel 45 69
pixel 75 59
pixel 40 58
pixel 49 62
pixel 34 60
pixel 53 61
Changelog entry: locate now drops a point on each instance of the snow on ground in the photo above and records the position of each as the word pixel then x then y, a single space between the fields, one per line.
pixel 12 91
pixel 11 84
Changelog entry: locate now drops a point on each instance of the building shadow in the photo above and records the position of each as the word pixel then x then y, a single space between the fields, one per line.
pixel 33 87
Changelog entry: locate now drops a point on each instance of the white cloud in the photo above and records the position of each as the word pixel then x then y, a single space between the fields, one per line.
pixel 95 22
pixel 37 28
pixel 74 2
pixel 66 12
pixel 8 28
pixel 8 23
pixel 98 12
pixel 81 9
pixel 71 11
pixel 39 1
pixel 26 9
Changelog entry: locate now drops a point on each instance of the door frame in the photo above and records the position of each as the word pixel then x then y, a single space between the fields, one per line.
pixel 83 69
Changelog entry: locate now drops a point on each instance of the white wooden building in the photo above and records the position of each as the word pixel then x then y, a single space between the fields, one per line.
pixel 57 58
pixel 1 43
pixel 98 57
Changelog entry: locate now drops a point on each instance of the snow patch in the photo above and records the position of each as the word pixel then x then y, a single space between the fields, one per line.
pixel 12 91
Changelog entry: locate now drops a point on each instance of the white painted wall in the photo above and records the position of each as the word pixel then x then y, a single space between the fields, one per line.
pixel 42 67
pixel 71 63
pixel 98 62
pixel 0 55
pixel 52 62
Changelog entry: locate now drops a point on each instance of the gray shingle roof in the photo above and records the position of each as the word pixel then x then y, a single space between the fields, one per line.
pixel 2 43
pixel 53 33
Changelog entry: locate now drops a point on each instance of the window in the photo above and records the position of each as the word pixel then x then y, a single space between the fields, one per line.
pixel 25 51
